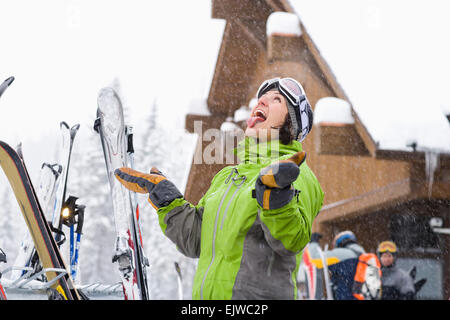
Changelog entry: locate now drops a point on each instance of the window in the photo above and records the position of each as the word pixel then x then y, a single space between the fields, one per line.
pixel 430 269
pixel 412 232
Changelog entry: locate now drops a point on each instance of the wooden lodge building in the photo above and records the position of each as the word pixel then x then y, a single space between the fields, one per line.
pixel 378 194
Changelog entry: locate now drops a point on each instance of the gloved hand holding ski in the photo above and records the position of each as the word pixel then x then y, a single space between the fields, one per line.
pixel 273 186
pixel 161 191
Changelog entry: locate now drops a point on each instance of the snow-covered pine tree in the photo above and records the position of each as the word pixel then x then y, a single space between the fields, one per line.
pixel 12 223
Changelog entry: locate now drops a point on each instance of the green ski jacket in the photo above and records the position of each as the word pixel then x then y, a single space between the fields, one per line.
pixel 244 251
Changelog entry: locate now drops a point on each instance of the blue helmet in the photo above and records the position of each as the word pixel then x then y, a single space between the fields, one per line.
pixel 343 238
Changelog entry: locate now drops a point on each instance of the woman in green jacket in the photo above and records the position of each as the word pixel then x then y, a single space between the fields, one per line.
pixel 250 227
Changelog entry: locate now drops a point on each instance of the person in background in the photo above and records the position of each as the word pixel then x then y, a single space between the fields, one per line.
pixel 342 261
pixel 396 283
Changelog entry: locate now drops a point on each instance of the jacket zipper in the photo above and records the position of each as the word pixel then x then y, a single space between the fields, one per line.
pixel 234 171
pixel 238 186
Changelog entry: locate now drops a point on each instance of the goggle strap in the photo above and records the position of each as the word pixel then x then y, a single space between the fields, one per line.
pixel 294 115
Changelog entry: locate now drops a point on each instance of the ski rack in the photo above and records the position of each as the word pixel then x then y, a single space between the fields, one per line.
pixel 102 289
pixel 32 284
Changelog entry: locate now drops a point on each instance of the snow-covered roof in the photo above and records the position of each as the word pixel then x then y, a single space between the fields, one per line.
pixel 335 110
pixel 283 23
pixel 242 114
pixel 228 125
pixel 198 105
pixel 391 59
pixel 445 107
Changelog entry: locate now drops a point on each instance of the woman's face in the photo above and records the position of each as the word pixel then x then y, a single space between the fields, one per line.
pixel 267 116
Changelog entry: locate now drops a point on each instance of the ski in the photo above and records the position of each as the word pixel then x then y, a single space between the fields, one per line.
pixel 128 250
pixel 2 291
pixel 5 84
pixel 61 285
pixel 310 273
pixel 326 273
pixel 68 136
pixel 48 177
pixel 315 268
pixel 134 201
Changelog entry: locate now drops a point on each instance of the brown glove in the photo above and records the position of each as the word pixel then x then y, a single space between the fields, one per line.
pixel 161 191
pixel 274 184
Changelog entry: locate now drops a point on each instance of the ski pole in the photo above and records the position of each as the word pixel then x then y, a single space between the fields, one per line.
pixel 74 264
pixel 325 273
pixel 179 278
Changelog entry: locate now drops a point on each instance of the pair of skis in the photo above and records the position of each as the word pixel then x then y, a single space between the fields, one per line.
pixel 59 282
pixel 52 196
pixel 117 145
pixel 66 210
pixel 116 139
pixel 315 268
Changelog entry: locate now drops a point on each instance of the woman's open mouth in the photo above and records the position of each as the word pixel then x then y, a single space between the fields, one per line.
pixel 258 116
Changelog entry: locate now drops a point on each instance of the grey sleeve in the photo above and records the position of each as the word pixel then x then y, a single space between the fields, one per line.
pixel 405 284
pixel 184 228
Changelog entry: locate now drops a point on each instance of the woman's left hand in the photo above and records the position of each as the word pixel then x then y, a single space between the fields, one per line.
pixel 273 186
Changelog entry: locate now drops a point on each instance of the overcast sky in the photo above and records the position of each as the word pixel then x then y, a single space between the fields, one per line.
pixel 63 52
pixel 392 59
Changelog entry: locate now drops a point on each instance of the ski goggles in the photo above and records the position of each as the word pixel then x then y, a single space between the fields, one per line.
pixel 387 246
pixel 299 109
pixel 290 88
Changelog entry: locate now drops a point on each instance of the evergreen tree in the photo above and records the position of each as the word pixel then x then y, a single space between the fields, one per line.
pixel 12 224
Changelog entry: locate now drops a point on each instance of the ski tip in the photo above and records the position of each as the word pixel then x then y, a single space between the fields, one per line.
pixel 19 150
pixel 105 96
pixel 9 80
pixel 74 130
pixel 5 84
pixel 64 124
pixel 106 91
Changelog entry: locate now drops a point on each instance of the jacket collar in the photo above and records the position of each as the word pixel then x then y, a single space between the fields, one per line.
pixel 249 151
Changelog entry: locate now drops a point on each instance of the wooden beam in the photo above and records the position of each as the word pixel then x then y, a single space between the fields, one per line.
pixel 416 156
pixel 338 139
pixel 214 87
pixel 399 191
pixel 240 9
pixel 206 121
pixel 234 71
pixel 364 134
pixel 256 35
